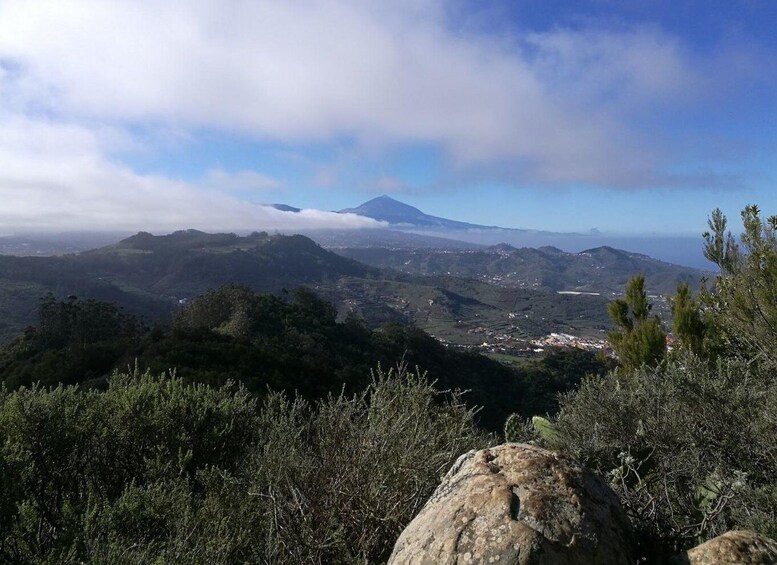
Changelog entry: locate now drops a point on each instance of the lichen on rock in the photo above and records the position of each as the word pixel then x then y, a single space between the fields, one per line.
pixel 517 504
pixel 741 547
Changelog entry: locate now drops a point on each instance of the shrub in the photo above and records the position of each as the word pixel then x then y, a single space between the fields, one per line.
pixel 638 338
pixel 157 470
pixel 71 454
pixel 342 479
pixel 690 449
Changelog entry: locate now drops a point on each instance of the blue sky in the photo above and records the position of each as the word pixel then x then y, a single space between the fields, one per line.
pixel 632 117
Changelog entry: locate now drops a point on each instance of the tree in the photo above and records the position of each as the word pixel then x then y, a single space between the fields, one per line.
pixel 79 322
pixel 688 323
pixel 689 445
pixel 638 338
pixel 743 300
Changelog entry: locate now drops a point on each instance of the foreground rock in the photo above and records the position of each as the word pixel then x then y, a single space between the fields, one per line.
pixel 517 504
pixel 739 546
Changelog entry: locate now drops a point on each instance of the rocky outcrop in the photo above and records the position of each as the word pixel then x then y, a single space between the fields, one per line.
pixel 517 504
pixel 738 546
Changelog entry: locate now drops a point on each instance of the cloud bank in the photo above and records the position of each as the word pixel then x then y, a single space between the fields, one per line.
pixel 54 177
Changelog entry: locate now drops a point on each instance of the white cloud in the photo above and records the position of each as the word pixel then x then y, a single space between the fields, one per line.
pixel 54 177
pixel 77 76
pixel 625 67
pixel 325 176
pixel 556 103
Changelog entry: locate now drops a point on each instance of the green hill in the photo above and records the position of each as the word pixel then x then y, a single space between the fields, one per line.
pixel 151 276
pixel 603 269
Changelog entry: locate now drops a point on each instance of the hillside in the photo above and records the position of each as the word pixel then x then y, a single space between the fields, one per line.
pixel 187 263
pixel 604 270
pixel 469 312
pixel 151 275
pixel 292 343
pixel 136 463
pixel 148 275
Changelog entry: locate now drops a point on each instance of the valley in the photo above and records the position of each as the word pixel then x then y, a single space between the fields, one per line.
pixel 419 270
pixel 494 300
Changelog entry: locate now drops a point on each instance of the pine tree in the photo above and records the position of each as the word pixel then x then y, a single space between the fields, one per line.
pixel 688 324
pixel 638 338
pixel 743 302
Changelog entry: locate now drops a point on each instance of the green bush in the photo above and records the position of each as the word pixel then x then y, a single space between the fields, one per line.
pixel 343 478
pixel 690 445
pixel 690 449
pixel 70 453
pixel 155 470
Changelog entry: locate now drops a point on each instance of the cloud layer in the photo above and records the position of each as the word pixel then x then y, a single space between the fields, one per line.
pixel 54 177
pixel 565 106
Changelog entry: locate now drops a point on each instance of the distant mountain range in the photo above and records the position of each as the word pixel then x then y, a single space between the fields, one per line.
pixel 286 208
pixel 406 227
pixel 603 269
pixel 405 219
pixel 187 263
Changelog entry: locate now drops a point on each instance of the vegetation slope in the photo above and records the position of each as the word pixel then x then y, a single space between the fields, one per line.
pixel 151 275
pixel 603 269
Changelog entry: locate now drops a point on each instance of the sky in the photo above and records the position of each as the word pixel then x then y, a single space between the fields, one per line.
pixel 627 116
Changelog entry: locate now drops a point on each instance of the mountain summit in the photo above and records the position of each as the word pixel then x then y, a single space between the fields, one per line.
pixel 387 209
pixel 403 218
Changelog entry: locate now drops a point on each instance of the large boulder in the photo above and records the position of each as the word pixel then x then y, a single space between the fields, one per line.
pixel 742 547
pixel 517 504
